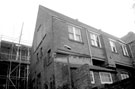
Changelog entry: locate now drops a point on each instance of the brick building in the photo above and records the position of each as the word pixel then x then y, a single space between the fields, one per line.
pixel 66 52
pixel 129 39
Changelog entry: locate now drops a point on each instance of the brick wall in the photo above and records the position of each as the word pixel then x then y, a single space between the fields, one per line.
pixel 81 77
pixel 61 74
pixel 61 38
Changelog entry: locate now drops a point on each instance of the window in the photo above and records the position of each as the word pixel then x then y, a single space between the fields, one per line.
pixel 95 40
pixel 124 76
pixel 113 46
pixel 92 77
pixel 124 49
pixel 105 77
pixel 37 57
pixel 74 33
pixel 39 28
pixel 49 56
pixel 41 53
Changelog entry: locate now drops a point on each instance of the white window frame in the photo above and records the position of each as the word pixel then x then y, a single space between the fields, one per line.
pixel 93 79
pixel 124 49
pixel 95 39
pixel 105 82
pixel 74 28
pixel 124 76
pixel 112 45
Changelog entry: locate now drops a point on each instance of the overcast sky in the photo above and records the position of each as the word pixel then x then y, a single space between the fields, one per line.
pixel 116 17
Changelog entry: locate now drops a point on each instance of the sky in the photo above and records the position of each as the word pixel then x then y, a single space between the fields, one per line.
pixel 116 17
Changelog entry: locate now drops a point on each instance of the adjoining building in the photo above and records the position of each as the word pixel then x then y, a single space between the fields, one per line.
pixel 68 53
pixel 129 39
pixel 14 65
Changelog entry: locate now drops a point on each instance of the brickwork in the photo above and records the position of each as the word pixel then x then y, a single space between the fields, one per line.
pixel 81 77
pixel 132 47
pixel 61 74
pixel 51 38
pixel 60 29
pixel 124 84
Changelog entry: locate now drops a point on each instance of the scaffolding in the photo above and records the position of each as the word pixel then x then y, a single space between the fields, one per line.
pixel 14 65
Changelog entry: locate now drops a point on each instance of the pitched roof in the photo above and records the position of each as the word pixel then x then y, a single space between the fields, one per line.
pixel 129 37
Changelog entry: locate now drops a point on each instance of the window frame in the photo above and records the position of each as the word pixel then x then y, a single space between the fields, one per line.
pixel 124 50
pixel 93 79
pixel 105 82
pixel 74 33
pixel 124 76
pixel 95 41
pixel 113 46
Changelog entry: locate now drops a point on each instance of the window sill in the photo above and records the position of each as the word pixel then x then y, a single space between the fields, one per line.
pixel 76 41
pixel 115 52
pixel 96 46
pixel 92 82
pixel 126 56
pixel 106 82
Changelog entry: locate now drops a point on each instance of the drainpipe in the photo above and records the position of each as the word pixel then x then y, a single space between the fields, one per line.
pixel 89 45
